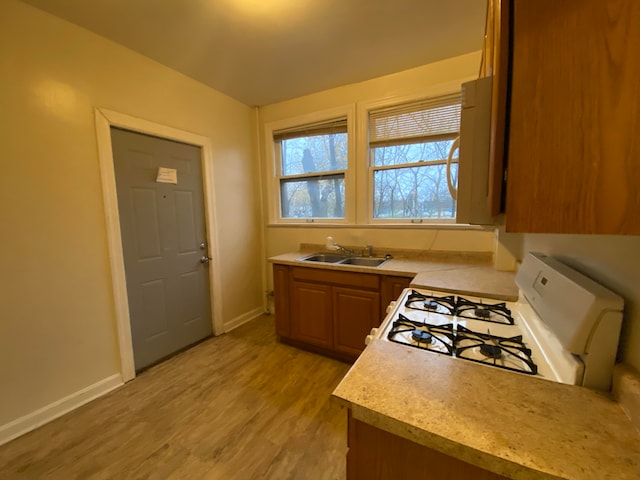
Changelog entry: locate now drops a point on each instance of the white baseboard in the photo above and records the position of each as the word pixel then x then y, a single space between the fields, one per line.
pixel 33 420
pixel 50 412
pixel 242 319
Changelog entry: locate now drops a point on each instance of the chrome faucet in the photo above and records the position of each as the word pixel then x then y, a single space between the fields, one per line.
pixel 344 251
pixel 331 245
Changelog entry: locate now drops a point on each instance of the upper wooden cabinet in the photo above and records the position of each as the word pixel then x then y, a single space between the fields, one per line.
pixel 495 62
pixel 573 162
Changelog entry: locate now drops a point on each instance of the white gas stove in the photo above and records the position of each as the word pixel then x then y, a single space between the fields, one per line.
pixel 564 327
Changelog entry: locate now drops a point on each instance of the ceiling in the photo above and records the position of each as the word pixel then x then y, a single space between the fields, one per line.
pixel 266 51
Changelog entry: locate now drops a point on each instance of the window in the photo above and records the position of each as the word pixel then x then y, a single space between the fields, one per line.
pixel 408 149
pixel 311 163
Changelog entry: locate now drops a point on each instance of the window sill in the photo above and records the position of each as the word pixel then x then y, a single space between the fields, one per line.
pixel 388 226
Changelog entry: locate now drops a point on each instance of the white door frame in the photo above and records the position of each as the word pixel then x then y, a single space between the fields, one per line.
pixel 105 119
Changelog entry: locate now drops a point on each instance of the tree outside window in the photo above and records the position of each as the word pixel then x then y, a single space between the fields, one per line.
pixel 409 146
pixel 313 162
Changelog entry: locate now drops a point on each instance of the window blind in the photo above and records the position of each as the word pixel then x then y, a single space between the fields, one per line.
pixel 338 125
pixel 426 120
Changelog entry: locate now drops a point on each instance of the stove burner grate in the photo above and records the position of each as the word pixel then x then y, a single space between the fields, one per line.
pixel 458 337
pixel 430 303
pixel 495 313
pixel 435 338
pixel 508 353
pixel 459 306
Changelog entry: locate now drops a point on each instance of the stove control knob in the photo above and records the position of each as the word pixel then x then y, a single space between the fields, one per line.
pixel 371 336
pixel 391 306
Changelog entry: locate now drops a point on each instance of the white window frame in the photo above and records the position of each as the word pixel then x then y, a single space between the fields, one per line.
pixel 273 163
pixel 364 154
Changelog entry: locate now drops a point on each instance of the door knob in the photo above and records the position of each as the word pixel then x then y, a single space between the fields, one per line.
pixel 204 259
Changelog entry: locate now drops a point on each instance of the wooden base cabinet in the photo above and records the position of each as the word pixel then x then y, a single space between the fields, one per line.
pixel 311 313
pixel 331 311
pixel 281 299
pixel 355 313
pixel 375 453
pixel 390 289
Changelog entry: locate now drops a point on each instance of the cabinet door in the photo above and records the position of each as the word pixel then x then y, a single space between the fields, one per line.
pixel 375 453
pixel 573 133
pixel 310 313
pixel 390 289
pixel 496 57
pixel 281 300
pixel 355 313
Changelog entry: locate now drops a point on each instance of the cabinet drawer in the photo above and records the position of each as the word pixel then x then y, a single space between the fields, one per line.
pixel 361 280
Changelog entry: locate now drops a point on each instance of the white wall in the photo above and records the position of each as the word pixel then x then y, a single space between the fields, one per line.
pixel 613 261
pixel 463 67
pixel 288 239
pixel 57 325
pixel 280 239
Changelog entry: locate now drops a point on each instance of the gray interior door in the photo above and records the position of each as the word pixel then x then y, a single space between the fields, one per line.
pixel 164 242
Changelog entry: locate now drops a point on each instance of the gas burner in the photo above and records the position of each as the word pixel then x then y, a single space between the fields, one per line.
pixel 431 305
pixel 435 338
pixel 496 312
pixel 421 336
pixel 508 353
pixel 459 341
pixel 444 305
pixel 491 351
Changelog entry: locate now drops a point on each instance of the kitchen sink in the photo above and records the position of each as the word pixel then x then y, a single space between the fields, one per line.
pixel 364 261
pixel 339 259
pixel 324 258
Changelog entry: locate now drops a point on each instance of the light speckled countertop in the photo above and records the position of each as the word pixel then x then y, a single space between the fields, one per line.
pixel 514 425
pixel 462 273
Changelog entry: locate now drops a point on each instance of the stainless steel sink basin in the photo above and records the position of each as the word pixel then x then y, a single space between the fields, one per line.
pixel 337 258
pixel 324 257
pixel 364 261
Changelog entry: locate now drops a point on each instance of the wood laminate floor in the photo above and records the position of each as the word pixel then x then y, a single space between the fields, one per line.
pixel 239 406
